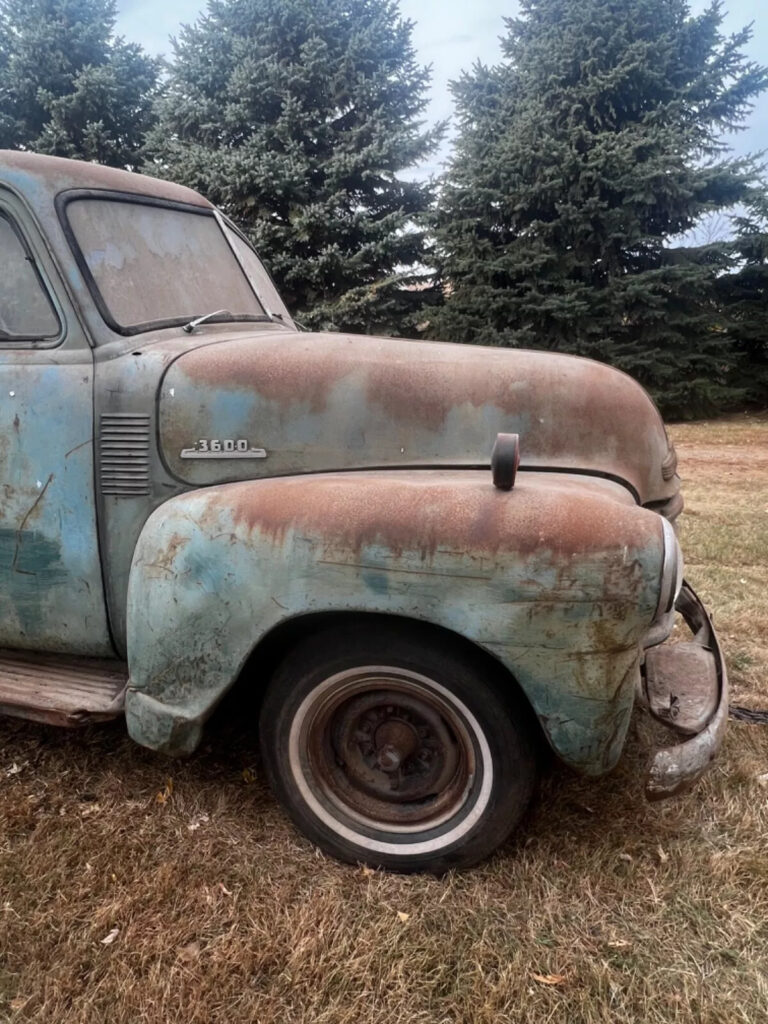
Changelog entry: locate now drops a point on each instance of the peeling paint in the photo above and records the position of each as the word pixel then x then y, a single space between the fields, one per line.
pixel 536 576
pixel 326 402
pixel 558 579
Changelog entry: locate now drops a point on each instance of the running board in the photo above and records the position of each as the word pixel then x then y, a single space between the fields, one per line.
pixel 60 689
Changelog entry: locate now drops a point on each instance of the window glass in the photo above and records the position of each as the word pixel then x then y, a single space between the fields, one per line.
pixel 26 313
pixel 258 276
pixel 157 264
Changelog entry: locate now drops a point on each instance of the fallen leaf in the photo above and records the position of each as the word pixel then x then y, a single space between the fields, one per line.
pixel 248 776
pixel 109 939
pixel 15 769
pixel 402 915
pixel 164 794
pixel 194 825
pixel 662 853
pixel 549 979
pixel 368 871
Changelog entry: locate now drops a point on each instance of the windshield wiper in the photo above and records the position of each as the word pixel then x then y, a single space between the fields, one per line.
pixel 264 318
pixel 207 316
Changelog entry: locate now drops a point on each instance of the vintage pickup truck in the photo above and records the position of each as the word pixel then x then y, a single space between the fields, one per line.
pixel 195 493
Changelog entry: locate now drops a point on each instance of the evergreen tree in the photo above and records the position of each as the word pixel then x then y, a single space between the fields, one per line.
pixel 744 293
pixel 297 118
pixel 582 160
pixel 68 86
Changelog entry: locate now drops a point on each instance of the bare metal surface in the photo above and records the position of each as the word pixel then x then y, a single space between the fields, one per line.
pixel 675 768
pixel 681 682
pixel 59 690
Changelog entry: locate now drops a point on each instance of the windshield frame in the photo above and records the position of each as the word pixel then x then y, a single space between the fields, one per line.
pixel 62 201
pixel 284 316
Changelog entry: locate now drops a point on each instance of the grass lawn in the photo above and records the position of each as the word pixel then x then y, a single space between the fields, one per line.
pixel 133 889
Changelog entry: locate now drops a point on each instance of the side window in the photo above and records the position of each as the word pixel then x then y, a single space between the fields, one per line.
pixel 26 313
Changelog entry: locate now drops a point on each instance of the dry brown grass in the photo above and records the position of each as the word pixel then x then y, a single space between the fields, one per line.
pixel 648 913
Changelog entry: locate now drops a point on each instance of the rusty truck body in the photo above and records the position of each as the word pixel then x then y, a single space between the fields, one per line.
pixel 196 492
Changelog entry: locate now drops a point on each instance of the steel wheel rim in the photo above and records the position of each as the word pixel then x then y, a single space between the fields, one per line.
pixel 441 795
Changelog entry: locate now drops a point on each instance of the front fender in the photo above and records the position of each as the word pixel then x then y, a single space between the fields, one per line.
pixel 557 579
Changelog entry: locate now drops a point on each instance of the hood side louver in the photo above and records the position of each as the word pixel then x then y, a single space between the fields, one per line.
pixel 124 454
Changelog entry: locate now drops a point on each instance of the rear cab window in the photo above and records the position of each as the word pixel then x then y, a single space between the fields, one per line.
pixel 26 311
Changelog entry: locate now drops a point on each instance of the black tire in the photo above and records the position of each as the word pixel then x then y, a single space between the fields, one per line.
pixel 392 747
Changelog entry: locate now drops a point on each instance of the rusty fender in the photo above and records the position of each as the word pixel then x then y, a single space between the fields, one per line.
pixel 558 579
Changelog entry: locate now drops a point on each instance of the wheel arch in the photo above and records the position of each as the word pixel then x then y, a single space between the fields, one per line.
pixel 272 648
pixel 387 744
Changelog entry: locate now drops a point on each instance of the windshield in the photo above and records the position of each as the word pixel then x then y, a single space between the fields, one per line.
pixel 153 265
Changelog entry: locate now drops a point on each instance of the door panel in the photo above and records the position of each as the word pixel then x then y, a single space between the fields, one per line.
pixel 51 592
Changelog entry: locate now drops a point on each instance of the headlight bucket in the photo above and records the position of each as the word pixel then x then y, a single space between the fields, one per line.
pixel 671 572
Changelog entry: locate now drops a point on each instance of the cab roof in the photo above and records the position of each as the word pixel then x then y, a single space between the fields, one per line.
pixel 55 174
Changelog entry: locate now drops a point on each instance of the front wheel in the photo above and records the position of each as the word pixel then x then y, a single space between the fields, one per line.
pixel 390 748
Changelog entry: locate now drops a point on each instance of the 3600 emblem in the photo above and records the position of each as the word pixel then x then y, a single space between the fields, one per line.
pixel 223 448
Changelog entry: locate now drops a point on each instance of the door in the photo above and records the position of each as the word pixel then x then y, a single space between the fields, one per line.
pixel 51 592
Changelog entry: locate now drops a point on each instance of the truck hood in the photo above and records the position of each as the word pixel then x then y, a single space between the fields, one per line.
pixel 280 403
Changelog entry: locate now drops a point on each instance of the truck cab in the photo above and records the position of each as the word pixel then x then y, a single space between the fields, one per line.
pixel 428 560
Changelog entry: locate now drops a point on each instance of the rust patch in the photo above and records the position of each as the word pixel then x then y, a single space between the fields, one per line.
pixel 59 174
pixel 167 556
pixel 421 383
pixel 289 371
pixel 60 689
pixel 421 512
pixel 174 545
pixel 569 412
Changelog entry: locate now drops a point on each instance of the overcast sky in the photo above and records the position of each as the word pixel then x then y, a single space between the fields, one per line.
pixel 450 35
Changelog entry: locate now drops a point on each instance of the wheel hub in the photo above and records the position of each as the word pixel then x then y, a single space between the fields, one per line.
pixel 391 754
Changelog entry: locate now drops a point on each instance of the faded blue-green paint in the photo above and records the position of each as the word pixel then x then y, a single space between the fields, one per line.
pixel 51 596
pixel 51 593
pixel 217 569
pixel 326 402
pixel 557 580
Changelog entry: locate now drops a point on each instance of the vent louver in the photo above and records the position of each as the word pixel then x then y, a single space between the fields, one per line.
pixel 124 454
